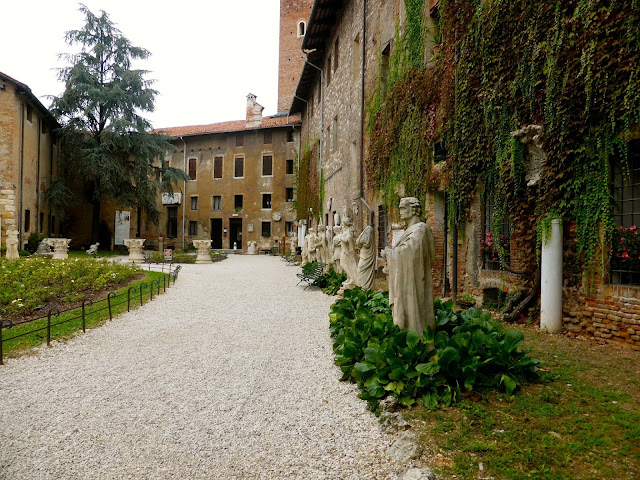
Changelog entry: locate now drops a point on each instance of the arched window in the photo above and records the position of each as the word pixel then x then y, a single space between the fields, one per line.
pixel 302 29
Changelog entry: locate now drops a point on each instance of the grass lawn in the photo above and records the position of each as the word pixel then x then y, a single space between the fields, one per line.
pixel 69 323
pixel 581 422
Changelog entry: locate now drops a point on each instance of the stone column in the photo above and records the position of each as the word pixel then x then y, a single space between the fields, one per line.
pixel 60 248
pixel 203 247
pixel 551 280
pixel 160 244
pixel 135 249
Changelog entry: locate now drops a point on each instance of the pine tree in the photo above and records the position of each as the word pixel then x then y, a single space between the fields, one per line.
pixel 106 143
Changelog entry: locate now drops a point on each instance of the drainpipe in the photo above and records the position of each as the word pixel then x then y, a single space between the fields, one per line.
pixel 184 188
pixel 50 178
pixel 362 67
pixel 446 234
pixel 20 212
pixel 454 282
pixel 38 226
pixel 306 60
pixel 308 127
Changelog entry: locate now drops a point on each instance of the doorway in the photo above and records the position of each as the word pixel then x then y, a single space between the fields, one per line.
pixel 235 232
pixel 216 233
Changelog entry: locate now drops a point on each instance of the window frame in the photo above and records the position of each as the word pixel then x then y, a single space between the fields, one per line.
pixel 195 169
pixel 221 169
pixel 287 191
pixel 489 260
pixel 286 166
pixel 235 202
pixel 269 201
pixel 262 230
pixel 264 156
pixel 193 223
pixel 235 165
pixel 213 203
pixel 192 203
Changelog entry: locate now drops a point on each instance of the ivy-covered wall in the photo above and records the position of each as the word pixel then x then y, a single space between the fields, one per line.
pixel 570 66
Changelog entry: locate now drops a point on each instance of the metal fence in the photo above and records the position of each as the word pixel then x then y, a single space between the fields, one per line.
pixel 89 307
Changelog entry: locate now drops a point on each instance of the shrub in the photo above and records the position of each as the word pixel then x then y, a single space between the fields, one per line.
pixel 34 242
pixel 469 350
pixel 332 281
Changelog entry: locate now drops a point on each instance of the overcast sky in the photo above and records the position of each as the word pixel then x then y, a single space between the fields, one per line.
pixel 206 55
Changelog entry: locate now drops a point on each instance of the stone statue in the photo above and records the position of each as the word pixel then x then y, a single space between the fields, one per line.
pixel 305 251
pixel 348 253
pixel 44 248
pixel 294 242
pixel 335 256
pixel 93 249
pixel 409 265
pixel 322 255
pixel 12 245
pixel 368 258
pixel 310 240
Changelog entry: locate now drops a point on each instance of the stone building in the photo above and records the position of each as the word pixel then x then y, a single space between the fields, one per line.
pixel 348 46
pixel 240 188
pixel 28 158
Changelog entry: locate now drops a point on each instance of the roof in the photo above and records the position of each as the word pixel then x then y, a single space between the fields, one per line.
pixel 323 18
pixel 24 88
pixel 231 126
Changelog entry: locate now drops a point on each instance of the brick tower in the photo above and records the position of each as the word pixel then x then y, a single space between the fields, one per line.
pixel 294 16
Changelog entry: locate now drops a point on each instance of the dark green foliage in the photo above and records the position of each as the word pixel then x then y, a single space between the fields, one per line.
pixel 333 281
pixel 104 137
pixel 468 351
pixel 34 241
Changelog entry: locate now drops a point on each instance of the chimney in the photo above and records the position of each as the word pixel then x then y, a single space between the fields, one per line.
pixel 254 112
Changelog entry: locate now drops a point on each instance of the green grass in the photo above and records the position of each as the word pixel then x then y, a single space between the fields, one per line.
pixel 99 254
pixel 581 422
pixel 72 325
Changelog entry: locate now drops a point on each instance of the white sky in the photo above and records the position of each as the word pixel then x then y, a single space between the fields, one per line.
pixel 206 55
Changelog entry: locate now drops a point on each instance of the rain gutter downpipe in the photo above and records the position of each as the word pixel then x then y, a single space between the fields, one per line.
pixel 21 213
pixel 184 188
pixel 362 67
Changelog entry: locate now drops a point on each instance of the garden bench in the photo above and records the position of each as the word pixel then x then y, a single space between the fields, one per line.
pixel 312 274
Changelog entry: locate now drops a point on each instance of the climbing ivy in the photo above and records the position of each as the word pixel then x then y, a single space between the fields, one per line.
pixel 571 66
pixel 308 183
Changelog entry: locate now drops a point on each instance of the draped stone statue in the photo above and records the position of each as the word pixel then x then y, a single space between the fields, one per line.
pixel 12 245
pixel 335 257
pixel 305 250
pixel 294 243
pixel 348 253
pixel 368 258
pixel 321 245
pixel 310 240
pixel 409 265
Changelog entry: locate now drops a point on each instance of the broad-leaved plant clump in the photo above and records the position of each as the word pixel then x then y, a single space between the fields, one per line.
pixel 468 351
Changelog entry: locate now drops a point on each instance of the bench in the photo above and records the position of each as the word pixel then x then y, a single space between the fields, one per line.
pixel 311 274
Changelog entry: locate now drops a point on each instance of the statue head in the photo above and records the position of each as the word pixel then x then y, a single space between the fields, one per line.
pixel 337 229
pixel 347 222
pixel 409 207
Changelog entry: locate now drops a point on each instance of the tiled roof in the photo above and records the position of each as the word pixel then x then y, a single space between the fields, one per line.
pixel 232 126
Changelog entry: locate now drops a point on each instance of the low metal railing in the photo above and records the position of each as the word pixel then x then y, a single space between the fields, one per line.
pixel 109 303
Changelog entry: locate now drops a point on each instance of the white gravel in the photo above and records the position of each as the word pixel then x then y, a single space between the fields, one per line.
pixel 228 375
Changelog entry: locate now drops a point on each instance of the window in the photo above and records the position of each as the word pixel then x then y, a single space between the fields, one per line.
pixel 238 171
pixel 41 222
pixel 192 168
pixel 44 128
pixel 217 167
pixel 266 229
pixel 302 29
pixel 496 239
pixel 328 141
pixel 172 222
pixel 52 227
pixel 384 68
pixel 357 52
pixel 289 167
pixel 334 140
pixel 267 165
pixel 311 105
pixel 27 220
pixel 290 136
pixel 328 69
pixel 288 228
pixel 288 194
pixel 266 200
pixel 193 227
pixel 237 202
pixel 439 152
pixel 216 203
pixel 267 137
pixel 625 248
pixel 29 114
pixel 239 140
pixel 335 54
pixel 194 203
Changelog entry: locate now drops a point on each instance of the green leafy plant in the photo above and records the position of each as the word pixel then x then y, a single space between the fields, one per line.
pixel 468 351
pixel 333 281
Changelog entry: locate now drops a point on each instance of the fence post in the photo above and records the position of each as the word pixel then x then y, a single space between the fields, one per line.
pixel 55 312
pixel 3 324
pixel 129 291
pixel 84 318
pixel 109 297
pixel 141 290
pixel 151 290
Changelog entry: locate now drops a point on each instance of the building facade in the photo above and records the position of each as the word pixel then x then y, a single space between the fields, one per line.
pixel 28 159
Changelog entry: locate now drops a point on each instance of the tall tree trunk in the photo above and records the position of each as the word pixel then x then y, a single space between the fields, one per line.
pixel 95 221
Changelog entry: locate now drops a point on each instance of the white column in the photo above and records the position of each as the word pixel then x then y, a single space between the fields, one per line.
pixel 551 280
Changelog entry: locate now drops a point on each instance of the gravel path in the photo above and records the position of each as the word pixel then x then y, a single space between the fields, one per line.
pixel 228 375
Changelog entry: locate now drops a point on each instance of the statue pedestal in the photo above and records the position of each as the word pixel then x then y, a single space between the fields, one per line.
pixel 60 248
pixel 252 249
pixel 203 247
pixel 135 249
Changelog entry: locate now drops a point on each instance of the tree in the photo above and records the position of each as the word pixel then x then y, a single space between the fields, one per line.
pixel 106 143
